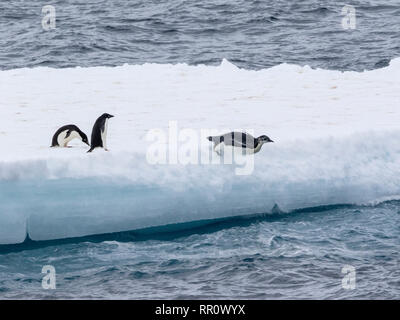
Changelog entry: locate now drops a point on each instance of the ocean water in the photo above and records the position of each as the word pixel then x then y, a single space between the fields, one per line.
pixel 251 34
pixel 293 255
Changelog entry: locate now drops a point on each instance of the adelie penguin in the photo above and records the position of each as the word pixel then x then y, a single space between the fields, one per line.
pixel 241 140
pixel 67 133
pixel 99 132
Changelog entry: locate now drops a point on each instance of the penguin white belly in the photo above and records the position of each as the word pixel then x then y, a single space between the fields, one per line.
pixel 104 135
pixel 221 148
pixel 63 141
pixel 255 150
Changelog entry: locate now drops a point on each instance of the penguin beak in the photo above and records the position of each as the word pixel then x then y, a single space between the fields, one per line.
pixel 111 116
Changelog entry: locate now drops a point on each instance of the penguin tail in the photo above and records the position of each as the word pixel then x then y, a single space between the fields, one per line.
pixel 90 150
pixel 216 140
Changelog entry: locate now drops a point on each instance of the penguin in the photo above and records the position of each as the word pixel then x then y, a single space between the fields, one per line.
pixel 99 132
pixel 240 140
pixel 67 133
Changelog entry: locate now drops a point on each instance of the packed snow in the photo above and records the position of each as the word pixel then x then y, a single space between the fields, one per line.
pixel 336 141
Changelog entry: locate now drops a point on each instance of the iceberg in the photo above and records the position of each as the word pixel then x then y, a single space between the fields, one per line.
pixel 336 142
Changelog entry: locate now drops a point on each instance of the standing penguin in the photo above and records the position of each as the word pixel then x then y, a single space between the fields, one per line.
pixel 67 133
pixel 99 132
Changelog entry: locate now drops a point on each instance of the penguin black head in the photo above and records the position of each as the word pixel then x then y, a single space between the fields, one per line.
pixel 106 116
pixel 264 139
pixel 84 138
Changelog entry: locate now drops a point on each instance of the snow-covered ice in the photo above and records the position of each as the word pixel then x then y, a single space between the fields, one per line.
pixel 337 140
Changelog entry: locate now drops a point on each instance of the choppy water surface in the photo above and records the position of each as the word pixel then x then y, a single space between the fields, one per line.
pixel 251 34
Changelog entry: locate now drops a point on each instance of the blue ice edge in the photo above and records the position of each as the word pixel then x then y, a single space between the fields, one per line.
pixel 171 231
pixel 67 208
pixel 44 210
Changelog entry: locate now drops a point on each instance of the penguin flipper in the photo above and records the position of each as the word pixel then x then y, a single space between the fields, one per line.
pixel 236 143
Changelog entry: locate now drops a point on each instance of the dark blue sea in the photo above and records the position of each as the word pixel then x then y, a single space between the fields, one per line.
pixel 252 34
pixel 337 252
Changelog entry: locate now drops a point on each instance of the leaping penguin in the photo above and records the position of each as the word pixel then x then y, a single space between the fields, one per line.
pixel 239 140
pixel 67 133
pixel 99 132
